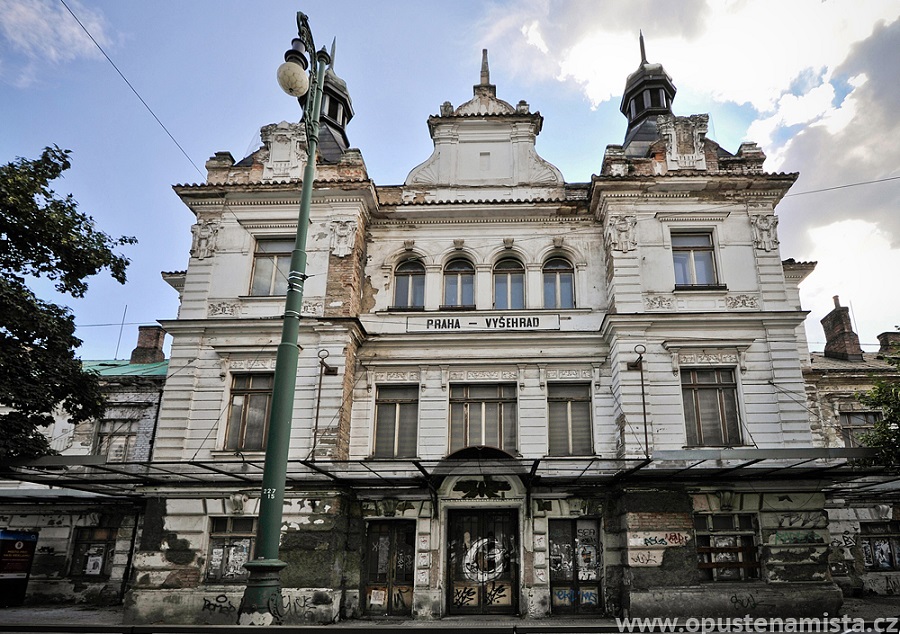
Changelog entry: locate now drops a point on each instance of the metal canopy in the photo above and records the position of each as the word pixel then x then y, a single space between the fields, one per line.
pixel 90 473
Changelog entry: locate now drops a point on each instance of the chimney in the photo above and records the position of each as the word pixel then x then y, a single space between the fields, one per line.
pixel 890 344
pixel 840 340
pixel 149 345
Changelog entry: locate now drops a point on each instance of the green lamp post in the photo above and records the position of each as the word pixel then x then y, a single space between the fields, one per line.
pixel 262 602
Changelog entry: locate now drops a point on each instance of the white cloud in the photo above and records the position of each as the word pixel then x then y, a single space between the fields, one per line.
pixel 855 260
pixel 533 37
pixel 597 64
pixel 43 31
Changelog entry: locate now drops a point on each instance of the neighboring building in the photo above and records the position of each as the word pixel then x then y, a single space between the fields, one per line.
pixel 84 540
pixel 864 519
pixel 516 395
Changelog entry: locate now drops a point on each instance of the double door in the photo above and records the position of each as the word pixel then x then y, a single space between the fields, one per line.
pixel 390 549
pixel 483 556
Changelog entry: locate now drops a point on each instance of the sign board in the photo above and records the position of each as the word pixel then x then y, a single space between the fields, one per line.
pixel 16 553
pixel 483 323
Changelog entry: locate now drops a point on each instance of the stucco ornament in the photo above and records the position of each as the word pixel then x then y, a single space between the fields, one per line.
pixel 685 140
pixel 620 233
pixel 342 233
pixel 286 151
pixel 764 234
pixel 204 239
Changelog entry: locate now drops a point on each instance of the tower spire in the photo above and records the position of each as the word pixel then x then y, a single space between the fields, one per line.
pixel 485 70
pixel 649 92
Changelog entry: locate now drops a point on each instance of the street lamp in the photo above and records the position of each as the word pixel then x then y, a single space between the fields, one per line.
pixel 262 602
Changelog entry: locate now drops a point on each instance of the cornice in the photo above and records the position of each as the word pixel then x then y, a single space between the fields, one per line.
pixel 383 222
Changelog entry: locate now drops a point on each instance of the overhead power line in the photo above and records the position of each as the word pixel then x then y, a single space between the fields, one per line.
pixel 828 189
pixel 136 94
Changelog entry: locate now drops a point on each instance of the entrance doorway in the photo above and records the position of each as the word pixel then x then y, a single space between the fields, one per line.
pixel 390 548
pixel 575 556
pixel 483 555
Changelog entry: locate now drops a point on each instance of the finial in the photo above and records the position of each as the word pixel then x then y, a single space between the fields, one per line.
pixel 643 53
pixel 333 43
pixel 485 71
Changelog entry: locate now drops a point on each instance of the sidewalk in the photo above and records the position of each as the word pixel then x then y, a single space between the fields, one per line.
pixel 867 608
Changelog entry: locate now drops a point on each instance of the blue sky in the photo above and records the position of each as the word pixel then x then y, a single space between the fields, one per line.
pixel 815 83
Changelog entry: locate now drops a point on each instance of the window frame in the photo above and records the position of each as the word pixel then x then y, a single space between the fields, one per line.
pixel 85 541
pixel 278 276
pixel 463 274
pixel 462 404
pixel 850 429
pixel 383 400
pixel 887 531
pixel 693 283
pixel 586 399
pixel 250 390
pixel 743 558
pixel 551 278
pixel 722 388
pixel 121 428
pixel 222 531
pixel 414 282
pixel 508 271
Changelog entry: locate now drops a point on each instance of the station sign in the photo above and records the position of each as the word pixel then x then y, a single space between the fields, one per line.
pixel 483 323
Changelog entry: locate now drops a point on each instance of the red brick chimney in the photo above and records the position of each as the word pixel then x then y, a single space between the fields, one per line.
pixel 890 344
pixel 840 340
pixel 149 345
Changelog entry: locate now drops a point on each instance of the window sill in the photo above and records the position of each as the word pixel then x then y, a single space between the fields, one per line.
pixel 256 454
pixel 406 309
pixel 700 287
pixel 460 308
pixel 742 446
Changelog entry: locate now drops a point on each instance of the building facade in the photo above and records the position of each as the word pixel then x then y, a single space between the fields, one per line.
pixel 82 540
pixel 516 395
pixel 864 519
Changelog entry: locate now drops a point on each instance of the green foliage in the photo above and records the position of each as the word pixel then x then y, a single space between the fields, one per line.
pixel 885 435
pixel 44 235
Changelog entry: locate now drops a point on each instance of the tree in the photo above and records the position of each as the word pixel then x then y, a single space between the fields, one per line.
pixel 44 235
pixel 885 434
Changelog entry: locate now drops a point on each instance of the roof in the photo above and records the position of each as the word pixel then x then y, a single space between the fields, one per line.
pixel 119 367
pixel 872 362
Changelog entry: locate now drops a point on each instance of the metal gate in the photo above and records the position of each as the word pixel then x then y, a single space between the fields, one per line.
pixel 390 548
pixel 483 556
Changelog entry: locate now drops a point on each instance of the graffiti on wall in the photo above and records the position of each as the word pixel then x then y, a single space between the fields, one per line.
pixel 646 548
pixel 798 537
pixel 650 539
pixel 807 519
pixel 221 604
pixel 644 557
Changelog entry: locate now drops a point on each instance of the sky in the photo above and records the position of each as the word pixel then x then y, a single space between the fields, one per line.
pixel 813 82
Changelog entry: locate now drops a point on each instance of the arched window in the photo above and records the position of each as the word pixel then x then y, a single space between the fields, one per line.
pixel 509 284
pixel 409 285
pixel 459 284
pixel 559 284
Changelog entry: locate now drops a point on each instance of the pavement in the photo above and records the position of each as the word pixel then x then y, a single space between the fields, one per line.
pixel 80 616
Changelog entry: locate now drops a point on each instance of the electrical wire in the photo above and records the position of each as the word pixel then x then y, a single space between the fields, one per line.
pixel 136 94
